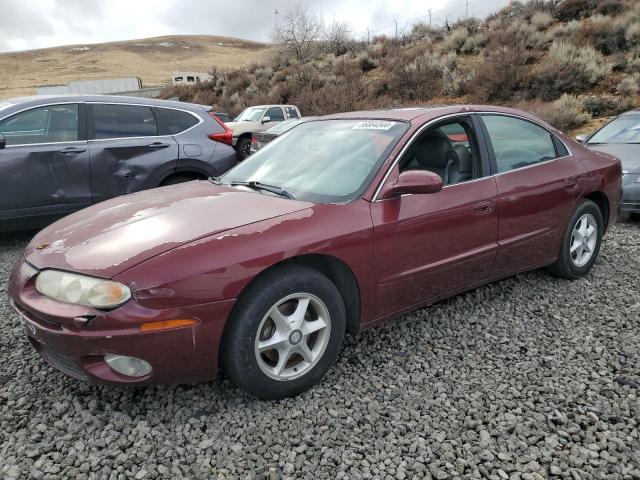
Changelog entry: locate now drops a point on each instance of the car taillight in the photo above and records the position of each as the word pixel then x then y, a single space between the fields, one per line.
pixel 223 137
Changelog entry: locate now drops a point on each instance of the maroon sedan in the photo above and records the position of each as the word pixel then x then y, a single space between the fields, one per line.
pixel 339 225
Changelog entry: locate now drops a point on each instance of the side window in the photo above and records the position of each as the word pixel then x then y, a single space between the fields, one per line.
pixel 518 143
pixel 275 113
pixel 448 150
pixel 291 112
pixel 55 123
pixel 121 121
pixel 177 121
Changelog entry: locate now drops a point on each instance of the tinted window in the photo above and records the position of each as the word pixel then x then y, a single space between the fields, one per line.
pixel 292 112
pixel 56 123
pixel 176 120
pixel 275 113
pixel 120 121
pixel 518 143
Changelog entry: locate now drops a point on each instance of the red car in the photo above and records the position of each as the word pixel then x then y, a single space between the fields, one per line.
pixel 339 225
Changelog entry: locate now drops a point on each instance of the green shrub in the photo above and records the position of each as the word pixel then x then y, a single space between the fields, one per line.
pixel 609 7
pixel 607 106
pixel 604 33
pixel 541 20
pixel 568 10
pixel 628 86
pixel 568 69
pixel 564 114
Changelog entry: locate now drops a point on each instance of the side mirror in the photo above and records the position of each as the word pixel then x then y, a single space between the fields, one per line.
pixel 582 138
pixel 3 142
pixel 266 119
pixel 415 182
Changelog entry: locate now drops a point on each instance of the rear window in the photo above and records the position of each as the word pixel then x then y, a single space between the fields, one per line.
pixel 177 121
pixel 123 121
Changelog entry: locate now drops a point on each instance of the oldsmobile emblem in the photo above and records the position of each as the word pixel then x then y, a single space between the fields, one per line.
pixel 42 246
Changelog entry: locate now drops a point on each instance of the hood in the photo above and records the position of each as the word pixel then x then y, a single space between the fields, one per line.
pixel 110 237
pixel 629 154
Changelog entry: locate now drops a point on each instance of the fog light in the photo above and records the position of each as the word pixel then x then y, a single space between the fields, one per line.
pixel 130 366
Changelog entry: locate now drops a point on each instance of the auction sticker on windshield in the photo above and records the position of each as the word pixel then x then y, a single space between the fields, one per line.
pixel 374 125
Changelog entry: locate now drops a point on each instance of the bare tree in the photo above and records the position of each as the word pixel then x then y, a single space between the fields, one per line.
pixel 299 32
pixel 338 36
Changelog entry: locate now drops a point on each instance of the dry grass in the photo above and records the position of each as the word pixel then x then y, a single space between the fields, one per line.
pixel 151 59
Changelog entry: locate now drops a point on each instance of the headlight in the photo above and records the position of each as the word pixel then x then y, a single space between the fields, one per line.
pixel 81 290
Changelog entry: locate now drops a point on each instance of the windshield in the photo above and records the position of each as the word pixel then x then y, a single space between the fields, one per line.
pixel 251 114
pixel 325 161
pixel 285 126
pixel 624 129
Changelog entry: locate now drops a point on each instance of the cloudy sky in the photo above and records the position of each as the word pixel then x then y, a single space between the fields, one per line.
pixel 30 24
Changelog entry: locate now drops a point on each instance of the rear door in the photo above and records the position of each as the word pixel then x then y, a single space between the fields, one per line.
pixel 44 170
pixel 128 153
pixel 538 187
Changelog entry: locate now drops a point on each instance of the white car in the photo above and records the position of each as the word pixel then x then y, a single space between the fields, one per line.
pixel 256 120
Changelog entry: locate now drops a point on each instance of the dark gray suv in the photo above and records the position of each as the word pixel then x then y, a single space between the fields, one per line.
pixel 62 153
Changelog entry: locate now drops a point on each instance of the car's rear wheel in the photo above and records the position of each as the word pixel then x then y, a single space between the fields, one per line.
pixel 285 333
pixel 243 148
pixel 581 244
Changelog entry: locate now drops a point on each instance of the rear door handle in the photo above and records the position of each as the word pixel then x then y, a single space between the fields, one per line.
pixel 158 145
pixel 570 182
pixel 484 208
pixel 72 150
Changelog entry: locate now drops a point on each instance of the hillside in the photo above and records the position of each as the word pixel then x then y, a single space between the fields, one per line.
pixel 572 62
pixel 151 59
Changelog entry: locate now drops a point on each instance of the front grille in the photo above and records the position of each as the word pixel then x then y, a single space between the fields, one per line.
pixel 63 363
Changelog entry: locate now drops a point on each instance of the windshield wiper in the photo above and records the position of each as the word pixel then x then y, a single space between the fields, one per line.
pixel 263 186
pixel 215 180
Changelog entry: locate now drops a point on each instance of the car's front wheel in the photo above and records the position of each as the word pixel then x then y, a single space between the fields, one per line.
pixel 285 333
pixel 581 244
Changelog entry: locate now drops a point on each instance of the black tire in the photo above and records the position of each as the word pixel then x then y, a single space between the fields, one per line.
pixel 238 351
pixel 565 266
pixel 243 148
pixel 175 179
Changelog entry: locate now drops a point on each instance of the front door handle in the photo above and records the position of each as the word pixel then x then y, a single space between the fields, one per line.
pixel 484 208
pixel 157 145
pixel 72 150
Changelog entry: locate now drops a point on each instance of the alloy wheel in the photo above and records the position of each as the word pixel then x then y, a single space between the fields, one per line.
pixel 583 240
pixel 292 336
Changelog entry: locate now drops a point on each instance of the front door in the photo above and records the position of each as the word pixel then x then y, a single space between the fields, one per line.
pixel 428 245
pixel 44 169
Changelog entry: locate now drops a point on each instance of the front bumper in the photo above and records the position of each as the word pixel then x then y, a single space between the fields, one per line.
pixel 181 355
pixel 630 193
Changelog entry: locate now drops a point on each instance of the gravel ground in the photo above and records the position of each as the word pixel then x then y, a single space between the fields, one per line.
pixel 532 377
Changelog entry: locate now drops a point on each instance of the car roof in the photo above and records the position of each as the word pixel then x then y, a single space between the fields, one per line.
pixel 68 98
pixel 272 105
pixel 427 112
